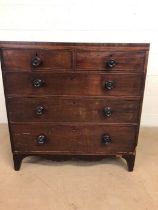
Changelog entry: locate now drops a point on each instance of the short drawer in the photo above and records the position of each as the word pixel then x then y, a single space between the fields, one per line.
pixel 83 139
pixel 26 60
pixel 110 61
pixel 73 84
pixel 61 109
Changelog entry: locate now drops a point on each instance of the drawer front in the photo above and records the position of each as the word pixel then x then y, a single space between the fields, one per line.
pixel 59 109
pixel 110 61
pixel 25 60
pixel 83 139
pixel 73 84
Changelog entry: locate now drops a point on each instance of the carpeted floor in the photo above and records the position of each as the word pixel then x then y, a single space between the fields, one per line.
pixel 47 185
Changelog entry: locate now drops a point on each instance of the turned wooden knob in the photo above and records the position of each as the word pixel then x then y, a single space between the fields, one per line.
pixel 106 139
pixel 36 61
pixel 111 63
pixel 109 85
pixel 41 139
pixel 37 83
pixel 107 111
pixel 39 110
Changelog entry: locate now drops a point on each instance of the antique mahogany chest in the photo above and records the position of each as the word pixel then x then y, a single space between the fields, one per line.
pixel 67 100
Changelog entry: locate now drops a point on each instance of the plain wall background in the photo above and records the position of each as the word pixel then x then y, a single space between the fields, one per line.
pixel 86 21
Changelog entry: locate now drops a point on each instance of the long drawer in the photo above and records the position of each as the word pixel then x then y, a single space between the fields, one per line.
pixel 73 109
pixel 77 139
pixel 94 84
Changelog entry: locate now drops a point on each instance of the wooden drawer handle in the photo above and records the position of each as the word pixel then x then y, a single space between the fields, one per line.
pixel 37 83
pixel 36 61
pixel 106 139
pixel 111 63
pixel 41 139
pixel 107 111
pixel 109 85
pixel 39 110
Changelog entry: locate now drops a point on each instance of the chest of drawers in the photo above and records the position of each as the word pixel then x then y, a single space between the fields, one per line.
pixel 69 100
